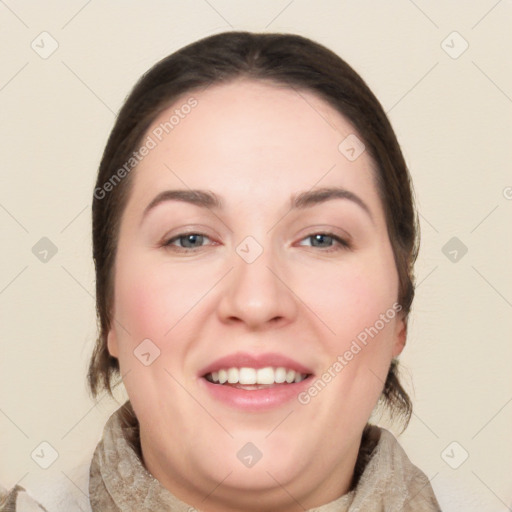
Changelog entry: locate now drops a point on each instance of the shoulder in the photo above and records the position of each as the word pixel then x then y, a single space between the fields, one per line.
pixel 65 493
pixel 18 500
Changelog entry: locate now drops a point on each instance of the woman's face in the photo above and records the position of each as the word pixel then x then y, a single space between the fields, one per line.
pixel 257 271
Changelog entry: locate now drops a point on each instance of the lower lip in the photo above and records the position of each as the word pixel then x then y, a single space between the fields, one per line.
pixel 256 399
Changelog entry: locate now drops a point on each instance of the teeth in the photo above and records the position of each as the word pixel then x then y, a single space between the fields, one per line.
pixel 265 376
pixel 247 376
pixel 233 374
pixel 250 376
pixel 280 375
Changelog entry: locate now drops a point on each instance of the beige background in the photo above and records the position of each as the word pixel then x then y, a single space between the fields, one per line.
pixel 453 117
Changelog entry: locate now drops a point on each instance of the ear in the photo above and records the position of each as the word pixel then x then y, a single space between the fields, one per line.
pixel 400 335
pixel 112 343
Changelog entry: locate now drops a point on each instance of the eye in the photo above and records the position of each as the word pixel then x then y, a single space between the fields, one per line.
pixel 186 241
pixel 327 241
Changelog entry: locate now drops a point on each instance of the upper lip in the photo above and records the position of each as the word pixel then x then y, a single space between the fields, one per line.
pixel 246 360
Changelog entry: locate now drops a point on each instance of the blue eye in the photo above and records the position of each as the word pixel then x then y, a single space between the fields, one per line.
pixel 188 241
pixel 327 241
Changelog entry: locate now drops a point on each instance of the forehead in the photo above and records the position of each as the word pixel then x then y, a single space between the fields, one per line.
pixel 251 137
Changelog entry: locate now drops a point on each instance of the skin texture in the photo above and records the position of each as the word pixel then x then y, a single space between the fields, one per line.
pixel 254 145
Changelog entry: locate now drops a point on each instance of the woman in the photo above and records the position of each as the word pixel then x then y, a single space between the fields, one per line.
pixel 254 236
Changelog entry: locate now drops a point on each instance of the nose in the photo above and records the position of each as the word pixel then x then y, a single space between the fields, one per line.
pixel 258 294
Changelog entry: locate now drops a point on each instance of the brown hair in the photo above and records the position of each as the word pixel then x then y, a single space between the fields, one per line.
pixel 285 59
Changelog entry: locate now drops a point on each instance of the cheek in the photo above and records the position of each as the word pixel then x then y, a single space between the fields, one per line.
pixel 140 305
pixel 357 304
pixel 151 298
pixel 149 303
pixel 358 307
pixel 352 297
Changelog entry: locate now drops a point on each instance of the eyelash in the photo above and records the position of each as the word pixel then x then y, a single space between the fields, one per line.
pixel 342 243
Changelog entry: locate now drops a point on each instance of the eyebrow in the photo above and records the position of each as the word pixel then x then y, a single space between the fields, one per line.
pixel 303 200
pixel 201 198
pixel 321 195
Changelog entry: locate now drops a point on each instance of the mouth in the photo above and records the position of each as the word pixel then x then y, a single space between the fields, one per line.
pixel 255 378
pixel 255 382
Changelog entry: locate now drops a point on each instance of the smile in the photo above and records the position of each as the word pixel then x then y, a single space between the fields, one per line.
pixel 255 382
pixel 255 378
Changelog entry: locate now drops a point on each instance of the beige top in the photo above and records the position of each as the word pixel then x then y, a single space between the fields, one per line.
pixel 384 479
